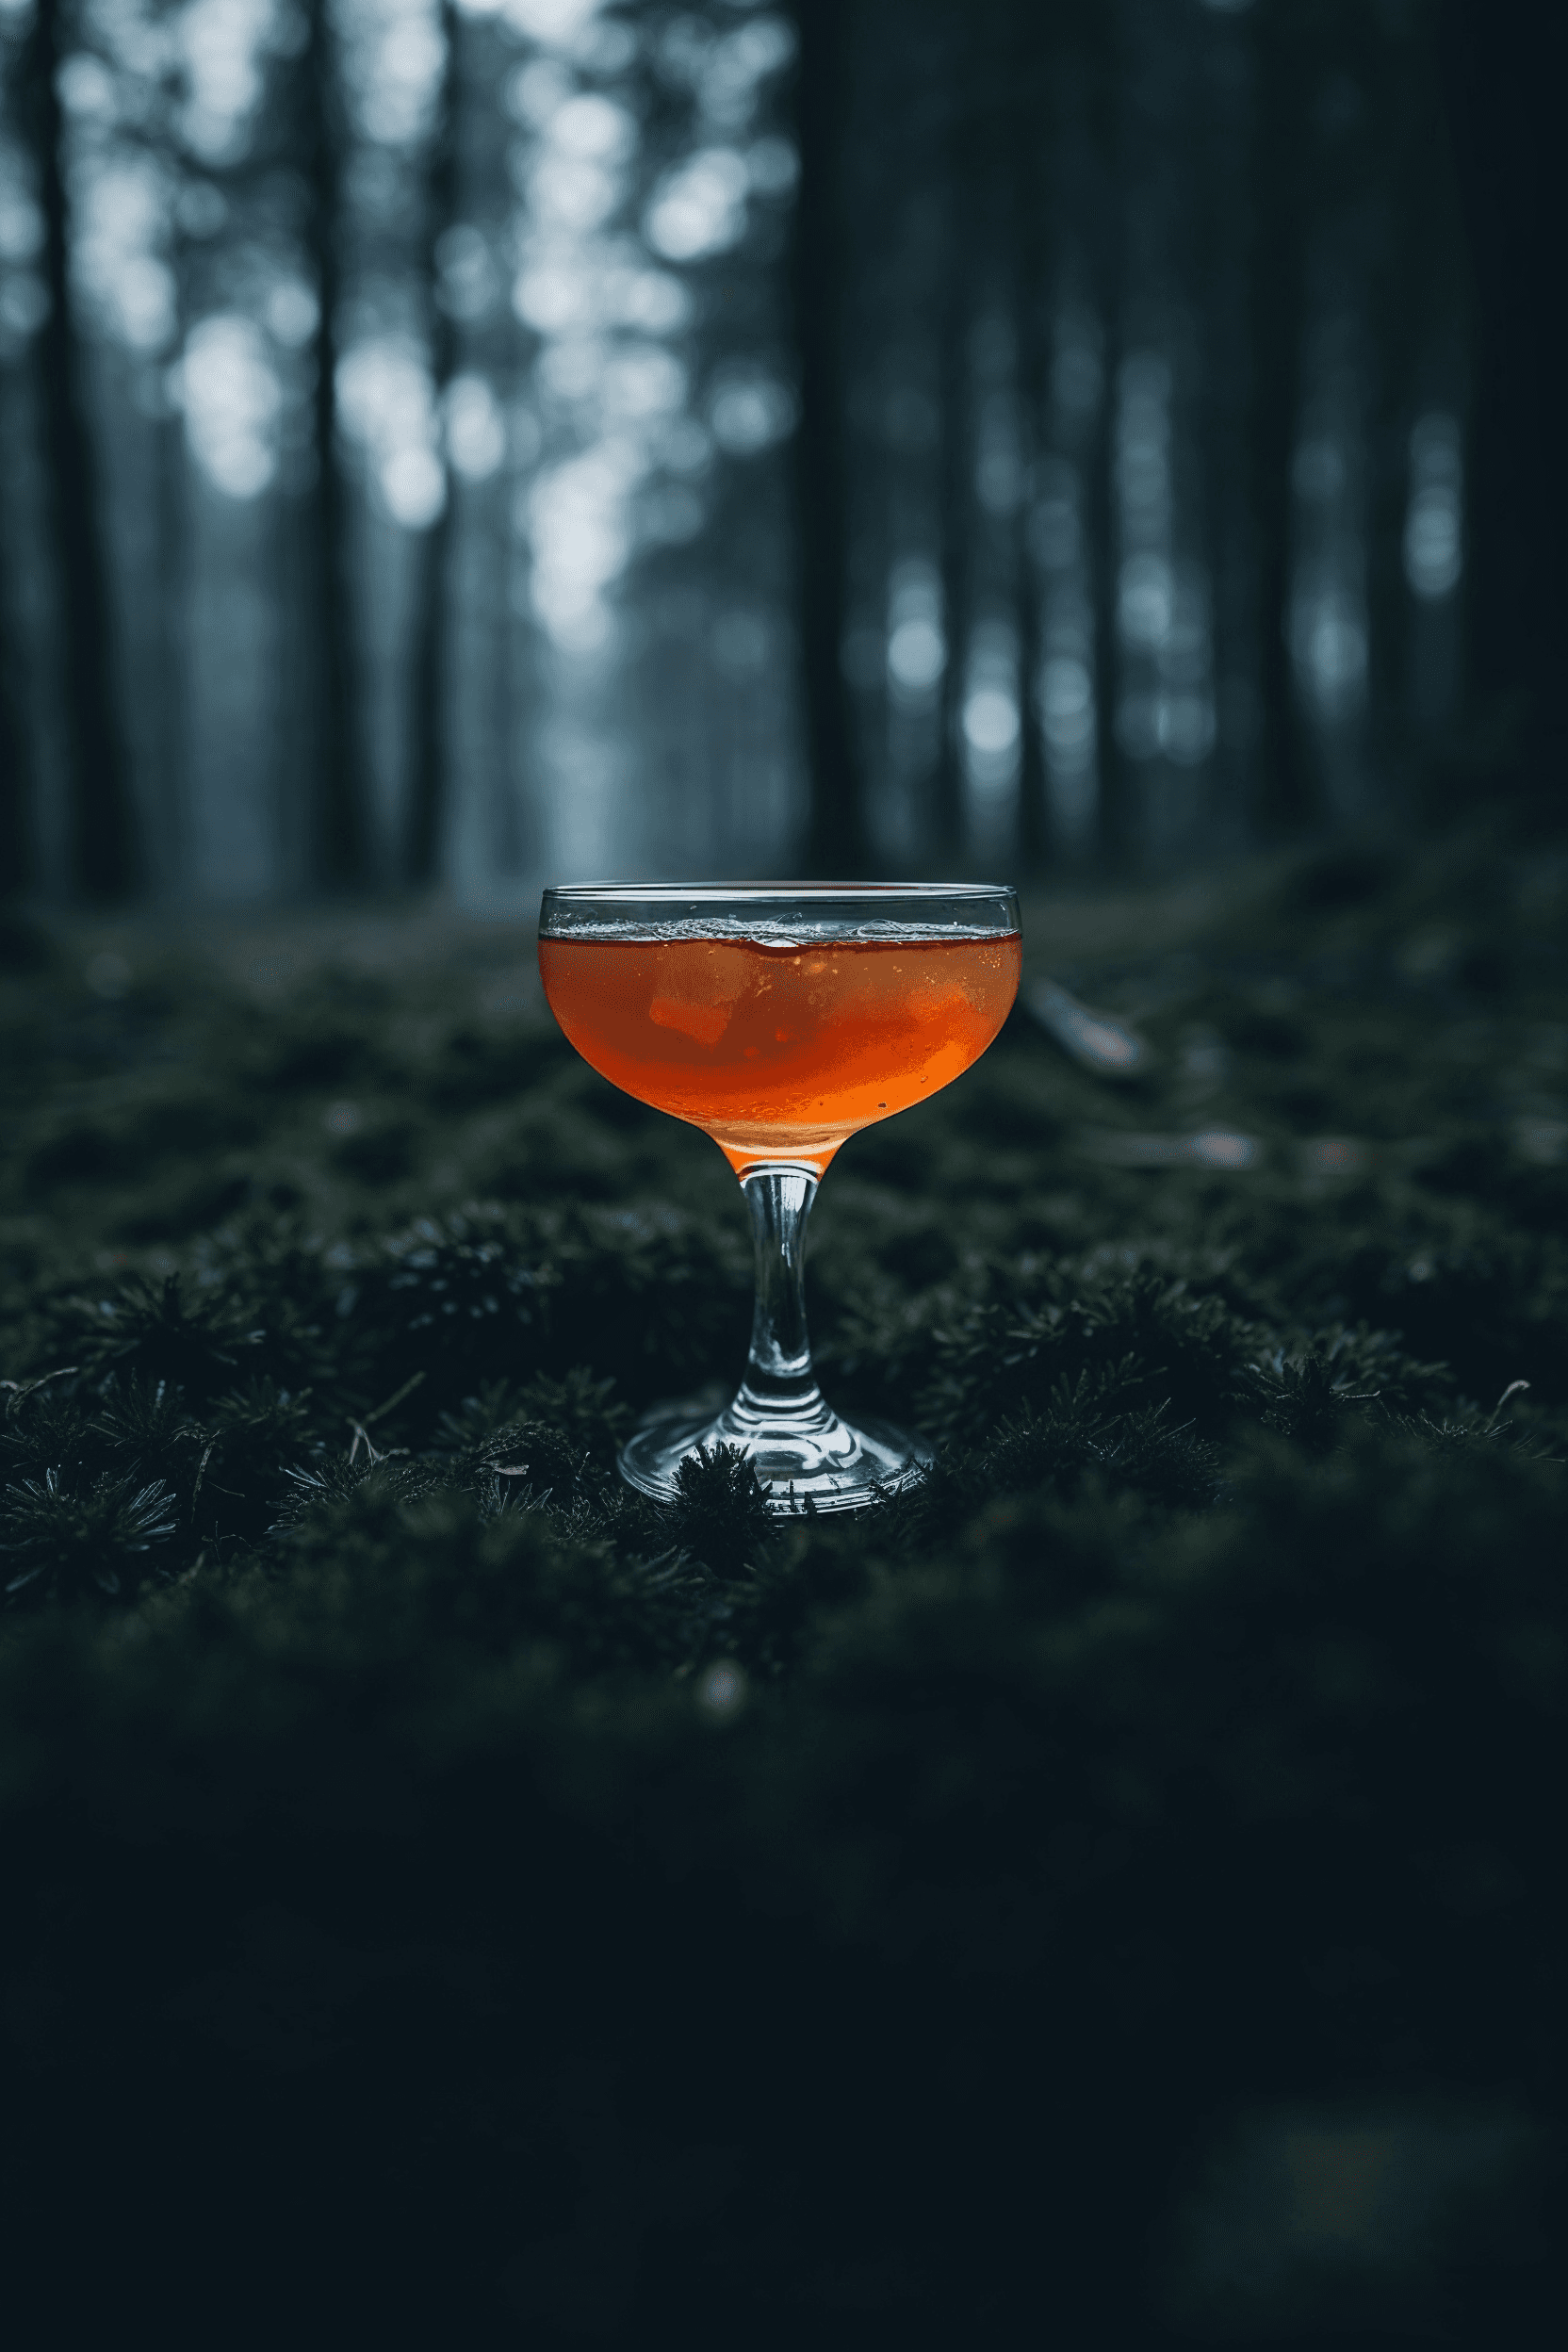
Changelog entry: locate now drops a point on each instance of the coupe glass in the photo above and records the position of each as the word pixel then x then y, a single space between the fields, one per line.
pixel 781 1018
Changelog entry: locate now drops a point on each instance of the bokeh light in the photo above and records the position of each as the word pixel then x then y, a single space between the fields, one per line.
pixel 229 391
pixel 1434 522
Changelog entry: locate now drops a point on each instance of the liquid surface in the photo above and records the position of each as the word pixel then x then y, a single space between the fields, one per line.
pixel 780 1053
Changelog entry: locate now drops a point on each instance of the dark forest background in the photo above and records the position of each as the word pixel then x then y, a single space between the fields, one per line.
pixel 461 445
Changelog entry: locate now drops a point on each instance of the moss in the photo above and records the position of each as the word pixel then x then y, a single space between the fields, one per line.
pixel 1189 1739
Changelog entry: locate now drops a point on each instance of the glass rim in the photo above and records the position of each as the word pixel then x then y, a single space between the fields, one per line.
pixel 688 893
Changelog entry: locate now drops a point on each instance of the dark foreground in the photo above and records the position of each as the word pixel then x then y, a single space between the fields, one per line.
pixel 1114 1896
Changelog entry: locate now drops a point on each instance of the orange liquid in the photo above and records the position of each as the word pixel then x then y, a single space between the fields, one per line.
pixel 781 1052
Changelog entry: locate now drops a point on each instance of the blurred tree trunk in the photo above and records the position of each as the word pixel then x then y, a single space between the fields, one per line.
pixel 1282 801
pixel 1223 257
pixel 172 862
pixel 171 859
pixel 956 449
pixel 514 650
pixel 513 820
pixel 339 832
pixel 1114 830
pixel 1032 247
pixel 836 843
pixel 1504 69
pixel 428 780
pixel 103 861
pixel 1402 202
pixel 16 832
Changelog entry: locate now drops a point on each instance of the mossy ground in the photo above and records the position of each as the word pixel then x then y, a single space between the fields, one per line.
pixel 547 1917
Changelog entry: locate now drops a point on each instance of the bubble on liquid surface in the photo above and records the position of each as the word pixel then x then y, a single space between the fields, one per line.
pixel 756 931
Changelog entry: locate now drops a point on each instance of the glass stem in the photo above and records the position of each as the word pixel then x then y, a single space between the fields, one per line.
pixel 779 1371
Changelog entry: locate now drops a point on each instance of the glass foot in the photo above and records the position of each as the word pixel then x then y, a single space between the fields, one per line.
pixel 802 1454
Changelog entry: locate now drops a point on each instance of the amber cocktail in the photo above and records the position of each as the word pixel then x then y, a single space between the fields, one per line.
pixel 781 1018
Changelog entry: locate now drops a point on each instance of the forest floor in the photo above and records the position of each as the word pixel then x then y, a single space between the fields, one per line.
pixel 1118 1883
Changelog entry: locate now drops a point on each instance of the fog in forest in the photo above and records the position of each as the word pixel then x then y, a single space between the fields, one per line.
pixel 459 446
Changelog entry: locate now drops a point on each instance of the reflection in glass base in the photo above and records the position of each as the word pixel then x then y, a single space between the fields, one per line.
pixel 802 1452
